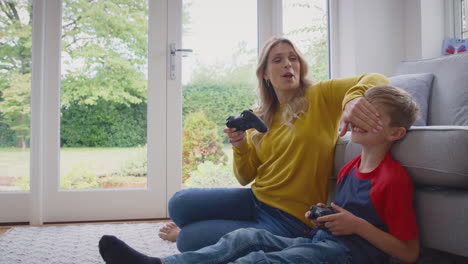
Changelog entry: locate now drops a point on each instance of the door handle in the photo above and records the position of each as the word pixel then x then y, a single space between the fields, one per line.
pixel 172 66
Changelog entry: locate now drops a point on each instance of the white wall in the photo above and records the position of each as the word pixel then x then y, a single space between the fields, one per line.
pixel 412 30
pixel 375 35
pixel 432 27
pixel 425 28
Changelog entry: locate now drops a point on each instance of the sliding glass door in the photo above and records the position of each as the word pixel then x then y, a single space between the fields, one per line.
pixel 96 98
pixel 15 109
pixel 106 88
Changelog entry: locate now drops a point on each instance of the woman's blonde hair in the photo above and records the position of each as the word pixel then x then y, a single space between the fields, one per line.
pixel 268 100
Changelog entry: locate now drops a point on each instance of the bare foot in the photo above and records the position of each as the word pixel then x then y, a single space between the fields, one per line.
pixel 169 232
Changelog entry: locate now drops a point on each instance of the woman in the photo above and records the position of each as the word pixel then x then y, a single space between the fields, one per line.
pixel 294 157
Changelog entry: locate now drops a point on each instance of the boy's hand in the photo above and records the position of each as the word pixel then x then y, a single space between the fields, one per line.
pixel 316 223
pixel 341 223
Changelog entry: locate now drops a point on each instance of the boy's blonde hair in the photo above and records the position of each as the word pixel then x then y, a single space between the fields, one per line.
pixel 402 109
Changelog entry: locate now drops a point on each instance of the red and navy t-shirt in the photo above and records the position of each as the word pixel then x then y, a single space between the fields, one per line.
pixel 383 197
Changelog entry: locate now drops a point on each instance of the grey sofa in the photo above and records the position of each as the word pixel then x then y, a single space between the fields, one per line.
pixel 435 155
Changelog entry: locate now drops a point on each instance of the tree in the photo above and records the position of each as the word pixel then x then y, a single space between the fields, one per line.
pixel 312 38
pixel 15 67
pixel 16 107
pixel 317 54
pixel 15 37
pixel 104 51
pixel 200 143
pixel 104 54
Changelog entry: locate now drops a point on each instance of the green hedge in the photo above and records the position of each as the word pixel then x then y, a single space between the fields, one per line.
pixel 217 101
pixel 103 125
pixel 7 136
pixel 113 124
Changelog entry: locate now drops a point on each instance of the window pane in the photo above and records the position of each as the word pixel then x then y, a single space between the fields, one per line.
pixel 218 81
pixel 103 94
pixel 15 94
pixel 305 22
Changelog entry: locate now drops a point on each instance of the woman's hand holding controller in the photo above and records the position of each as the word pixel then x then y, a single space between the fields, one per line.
pixel 316 223
pixel 236 138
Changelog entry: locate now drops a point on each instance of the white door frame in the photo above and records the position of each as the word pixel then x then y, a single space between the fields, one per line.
pixel 270 20
pixel 174 99
pixel 44 101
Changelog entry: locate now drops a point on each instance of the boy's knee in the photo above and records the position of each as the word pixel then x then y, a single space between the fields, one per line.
pixel 185 244
pixel 247 233
pixel 192 241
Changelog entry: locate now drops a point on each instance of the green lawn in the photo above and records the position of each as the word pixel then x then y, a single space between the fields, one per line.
pixel 102 161
pixel 14 163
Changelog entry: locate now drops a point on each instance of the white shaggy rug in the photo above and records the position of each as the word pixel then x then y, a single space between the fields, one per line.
pixel 77 243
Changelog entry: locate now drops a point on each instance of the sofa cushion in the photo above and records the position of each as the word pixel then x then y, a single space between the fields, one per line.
pixel 435 155
pixel 448 102
pixel 419 86
pixel 432 155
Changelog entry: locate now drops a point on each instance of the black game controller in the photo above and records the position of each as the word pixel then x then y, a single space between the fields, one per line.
pixel 316 212
pixel 246 120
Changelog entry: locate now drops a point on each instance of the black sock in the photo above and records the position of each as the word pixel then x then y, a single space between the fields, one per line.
pixel 115 251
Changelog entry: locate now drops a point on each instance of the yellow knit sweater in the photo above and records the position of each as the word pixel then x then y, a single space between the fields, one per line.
pixel 292 166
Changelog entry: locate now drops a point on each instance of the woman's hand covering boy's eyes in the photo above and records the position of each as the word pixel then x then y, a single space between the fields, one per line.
pixel 362 114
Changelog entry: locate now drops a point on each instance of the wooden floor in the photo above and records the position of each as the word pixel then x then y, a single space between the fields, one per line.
pixel 3 229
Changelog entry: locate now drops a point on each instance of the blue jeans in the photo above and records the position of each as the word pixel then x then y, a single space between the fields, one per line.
pixel 251 245
pixel 206 214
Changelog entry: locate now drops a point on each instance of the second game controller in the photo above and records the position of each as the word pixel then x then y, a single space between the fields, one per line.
pixel 316 212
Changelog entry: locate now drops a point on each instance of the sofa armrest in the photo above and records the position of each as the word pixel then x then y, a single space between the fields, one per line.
pixel 432 155
pixel 435 155
pixel 345 150
pixel 340 152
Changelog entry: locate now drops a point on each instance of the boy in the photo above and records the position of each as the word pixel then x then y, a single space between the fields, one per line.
pixel 374 220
